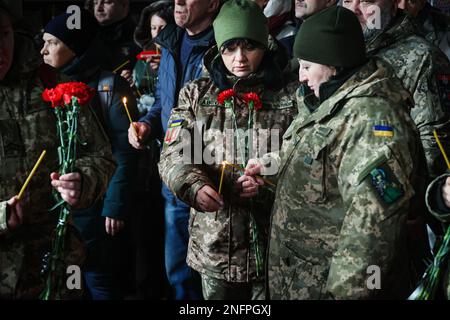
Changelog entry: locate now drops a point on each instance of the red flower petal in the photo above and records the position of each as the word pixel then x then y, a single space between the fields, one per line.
pixel 225 95
pixel 252 96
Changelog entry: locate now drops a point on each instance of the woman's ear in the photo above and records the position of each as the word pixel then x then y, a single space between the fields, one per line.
pixel 333 70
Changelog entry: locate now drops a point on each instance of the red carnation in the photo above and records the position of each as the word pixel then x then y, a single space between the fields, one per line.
pixel 225 95
pixel 80 90
pixel 54 96
pixel 252 100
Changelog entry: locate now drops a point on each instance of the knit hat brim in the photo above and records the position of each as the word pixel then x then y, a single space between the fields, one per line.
pixel 331 37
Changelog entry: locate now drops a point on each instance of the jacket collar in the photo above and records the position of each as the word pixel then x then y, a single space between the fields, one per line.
pixel 367 81
pixel 85 66
pixel 170 38
pixel 401 27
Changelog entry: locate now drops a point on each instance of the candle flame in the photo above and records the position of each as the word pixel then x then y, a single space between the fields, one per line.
pixel 124 100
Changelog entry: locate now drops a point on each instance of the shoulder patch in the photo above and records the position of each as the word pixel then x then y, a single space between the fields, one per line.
pixel 386 184
pixel 173 131
pixel 383 131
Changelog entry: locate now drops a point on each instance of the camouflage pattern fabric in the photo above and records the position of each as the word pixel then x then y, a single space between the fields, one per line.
pixel 218 289
pixel 344 193
pixel 425 72
pixel 220 243
pixel 27 126
pixel 434 25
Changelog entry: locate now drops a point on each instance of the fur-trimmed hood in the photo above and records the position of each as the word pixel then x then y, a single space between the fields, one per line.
pixel 142 35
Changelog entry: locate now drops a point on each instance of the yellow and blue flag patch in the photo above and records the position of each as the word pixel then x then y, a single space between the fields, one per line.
pixel 173 131
pixel 383 131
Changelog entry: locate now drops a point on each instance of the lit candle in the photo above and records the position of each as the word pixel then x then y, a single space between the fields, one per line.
pixel 31 174
pixel 121 66
pixel 124 101
pixel 221 177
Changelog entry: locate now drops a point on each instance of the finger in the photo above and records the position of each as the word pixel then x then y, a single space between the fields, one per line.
pixel 241 179
pixel 212 194
pixel 260 181
pixel 253 170
pixel 73 176
pixel 249 183
pixel 108 226
pixel 54 176
pixel 207 204
pixel 250 190
pixel 13 201
pixel 70 196
pixel 248 195
pixel 67 185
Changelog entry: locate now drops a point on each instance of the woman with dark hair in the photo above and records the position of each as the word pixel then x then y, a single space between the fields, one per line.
pixel 153 19
pixel 228 232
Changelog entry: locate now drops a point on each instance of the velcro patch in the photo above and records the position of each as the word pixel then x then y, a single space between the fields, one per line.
pixel 386 184
pixel 173 131
pixel 383 131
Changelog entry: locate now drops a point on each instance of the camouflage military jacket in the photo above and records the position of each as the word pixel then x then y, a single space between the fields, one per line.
pixel 343 194
pixel 425 72
pixel 220 243
pixel 434 25
pixel 28 126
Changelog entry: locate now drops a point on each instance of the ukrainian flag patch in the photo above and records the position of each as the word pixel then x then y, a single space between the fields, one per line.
pixel 383 131
pixel 176 123
pixel 173 131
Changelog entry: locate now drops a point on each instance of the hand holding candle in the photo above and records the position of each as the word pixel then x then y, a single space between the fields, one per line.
pixel 270 183
pixel 124 101
pixel 33 171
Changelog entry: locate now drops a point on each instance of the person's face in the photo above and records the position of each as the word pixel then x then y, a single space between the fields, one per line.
pixel 306 8
pixel 373 15
pixel 242 60
pixel 156 25
pixel 110 11
pixel 6 45
pixel 190 13
pixel 314 74
pixel 413 7
pixel 55 52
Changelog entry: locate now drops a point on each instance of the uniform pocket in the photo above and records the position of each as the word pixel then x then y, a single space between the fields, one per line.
pixel 310 161
pixel 306 275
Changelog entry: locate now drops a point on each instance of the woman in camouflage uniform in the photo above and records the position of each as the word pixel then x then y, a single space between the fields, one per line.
pixel 228 231
pixel 348 173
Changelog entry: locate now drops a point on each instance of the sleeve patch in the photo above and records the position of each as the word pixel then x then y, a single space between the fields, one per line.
pixel 173 131
pixel 383 131
pixel 386 184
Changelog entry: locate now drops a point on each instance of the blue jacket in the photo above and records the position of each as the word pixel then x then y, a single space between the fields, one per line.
pixel 170 76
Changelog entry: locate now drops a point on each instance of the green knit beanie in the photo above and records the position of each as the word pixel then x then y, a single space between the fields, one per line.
pixel 240 19
pixel 331 37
